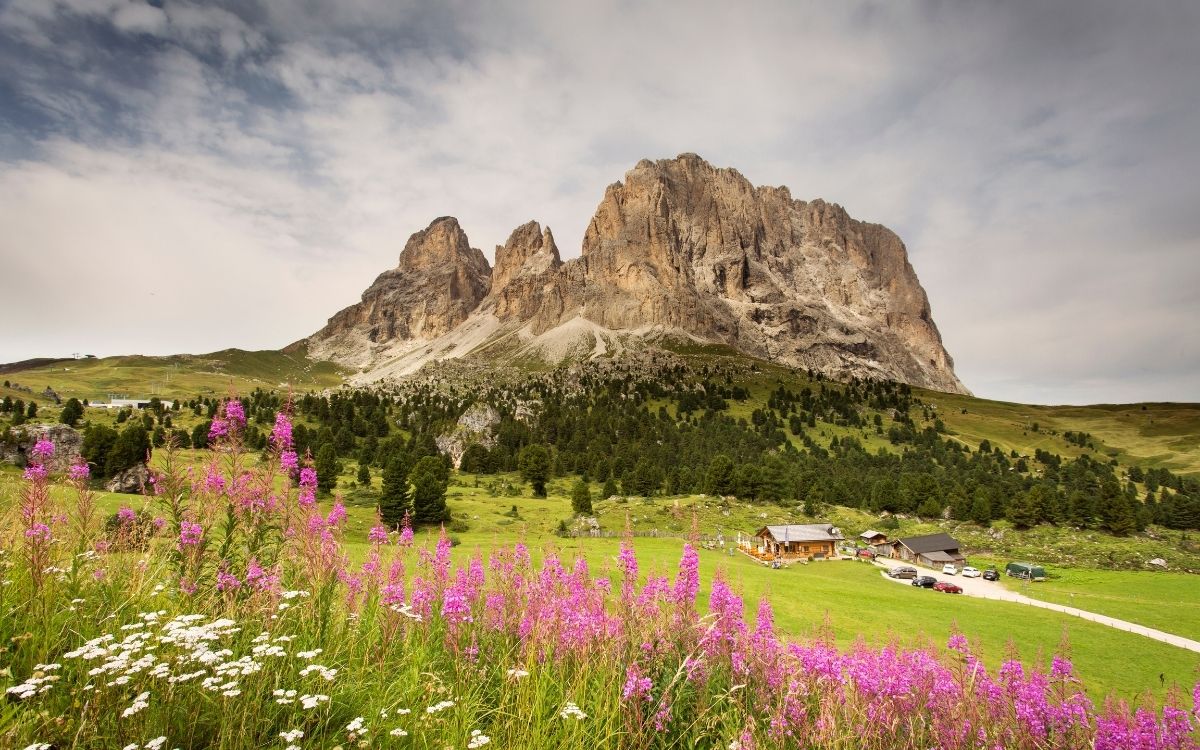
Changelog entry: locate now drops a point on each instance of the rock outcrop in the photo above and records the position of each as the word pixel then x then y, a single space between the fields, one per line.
pixel 477 425
pixel 67 444
pixel 678 247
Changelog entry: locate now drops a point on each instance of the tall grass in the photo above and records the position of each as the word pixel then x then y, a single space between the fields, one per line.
pixel 235 620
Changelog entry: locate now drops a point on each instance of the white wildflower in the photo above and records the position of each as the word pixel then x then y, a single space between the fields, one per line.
pixel 357 726
pixel 478 739
pixel 140 702
pixel 571 711
pixel 310 654
pixel 398 732
pixel 437 707
pixel 292 735
pixel 155 743
pixel 517 674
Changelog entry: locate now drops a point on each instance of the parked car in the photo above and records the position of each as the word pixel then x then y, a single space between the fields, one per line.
pixel 925 582
pixel 969 572
pixel 947 587
pixel 868 554
pixel 903 572
pixel 949 569
pixel 991 574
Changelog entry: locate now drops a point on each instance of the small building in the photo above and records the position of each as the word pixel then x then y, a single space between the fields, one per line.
pixel 875 539
pixel 811 541
pixel 931 550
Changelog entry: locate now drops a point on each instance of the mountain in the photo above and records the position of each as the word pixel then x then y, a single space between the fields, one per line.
pixel 679 250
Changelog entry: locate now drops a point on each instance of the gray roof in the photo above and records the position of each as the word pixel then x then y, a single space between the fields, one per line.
pixel 804 532
pixel 871 534
pixel 930 543
pixel 941 557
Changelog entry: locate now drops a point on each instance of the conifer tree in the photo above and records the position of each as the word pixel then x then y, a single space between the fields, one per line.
pixel 429 484
pixel 394 499
pixel 581 498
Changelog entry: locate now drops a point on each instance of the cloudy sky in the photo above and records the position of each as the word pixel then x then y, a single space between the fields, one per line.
pixel 189 177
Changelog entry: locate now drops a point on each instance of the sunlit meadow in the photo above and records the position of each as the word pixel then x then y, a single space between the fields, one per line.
pixel 232 618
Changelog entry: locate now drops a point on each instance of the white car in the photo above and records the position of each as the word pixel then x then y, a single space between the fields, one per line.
pixel 969 572
pixel 949 569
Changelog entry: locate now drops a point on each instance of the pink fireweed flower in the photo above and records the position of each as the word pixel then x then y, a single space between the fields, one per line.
pixel 227 582
pixel 235 413
pixel 637 686
pixel 126 515
pixel 35 472
pixel 79 471
pixel 42 449
pixel 289 462
pixel 687 581
pixel 39 532
pixel 214 481
pixel 308 477
pixel 406 533
pixel 190 534
pixel 281 434
pixel 627 562
pixel 336 515
pixel 378 535
pixel 218 429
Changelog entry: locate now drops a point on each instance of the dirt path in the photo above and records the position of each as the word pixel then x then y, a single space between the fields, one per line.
pixel 994 590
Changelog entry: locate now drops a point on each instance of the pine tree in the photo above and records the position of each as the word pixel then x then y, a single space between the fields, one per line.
pixel 429 491
pixel 394 498
pixel 534 463
pixel 718 480
pixel 1025 509
pixel 328 469
pixel 610 487
pixel 72 412
pixel 581 498
pixel 364 475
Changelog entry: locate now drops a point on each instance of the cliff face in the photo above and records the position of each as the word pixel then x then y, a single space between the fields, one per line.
pixel 439 281
pixel 677 246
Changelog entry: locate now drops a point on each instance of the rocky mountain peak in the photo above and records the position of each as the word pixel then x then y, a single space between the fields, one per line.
pixel 529 251
pixel 679 246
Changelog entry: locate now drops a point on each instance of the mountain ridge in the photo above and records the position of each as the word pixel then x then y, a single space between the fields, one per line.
pixel 680 248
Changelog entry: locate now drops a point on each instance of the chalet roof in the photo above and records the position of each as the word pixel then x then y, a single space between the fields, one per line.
pixel 930 543
pixel 938 556
pixel 871 534
pixel 803 532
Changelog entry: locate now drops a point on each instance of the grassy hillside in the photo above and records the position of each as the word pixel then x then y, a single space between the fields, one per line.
pixel 1149 435
pixel 181 374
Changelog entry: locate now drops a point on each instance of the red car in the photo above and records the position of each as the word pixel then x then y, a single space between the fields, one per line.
pixel 947 587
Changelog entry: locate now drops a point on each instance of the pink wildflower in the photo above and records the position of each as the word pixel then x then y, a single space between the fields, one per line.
pixel 35 472
pixel 336 515
pixel 281 434
pixel 235 414
pixel 227 582
pixel 289 462
pixel 126 515
pixel 378 535
pixel 79 471
pixel 637 686
pixel 38 532
pixel 190 533
pixel 42 449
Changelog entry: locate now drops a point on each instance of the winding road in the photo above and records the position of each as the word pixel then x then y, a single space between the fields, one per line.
pixel 995 590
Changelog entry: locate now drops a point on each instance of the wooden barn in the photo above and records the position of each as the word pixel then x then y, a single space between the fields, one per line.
pixel 932 550
pixel 812 541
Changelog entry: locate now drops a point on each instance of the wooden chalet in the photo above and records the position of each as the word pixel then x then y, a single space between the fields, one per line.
pixel 874 539
pixel 931 550
pixel 811 541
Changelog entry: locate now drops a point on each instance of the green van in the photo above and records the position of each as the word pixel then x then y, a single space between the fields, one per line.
pixel 1028 571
